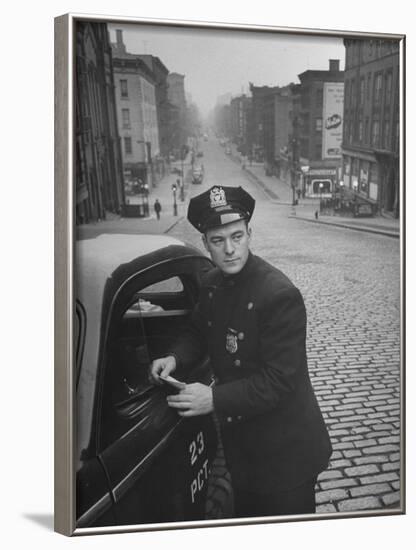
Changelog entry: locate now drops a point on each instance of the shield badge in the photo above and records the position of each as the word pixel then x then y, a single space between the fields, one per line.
pixel 231 343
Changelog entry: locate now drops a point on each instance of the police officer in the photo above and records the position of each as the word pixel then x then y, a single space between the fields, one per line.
pixel 251 320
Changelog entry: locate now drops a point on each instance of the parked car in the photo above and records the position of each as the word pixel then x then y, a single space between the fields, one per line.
pixel 137 460
pixel 197 175
pixel 176 170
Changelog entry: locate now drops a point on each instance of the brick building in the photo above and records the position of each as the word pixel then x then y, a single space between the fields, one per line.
pixel 240 113
pixel 315 144
pixel 370 147
pixel 263 123
pixel 98 163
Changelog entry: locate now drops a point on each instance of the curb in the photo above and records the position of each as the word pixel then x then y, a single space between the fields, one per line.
pixel 174 223
pixel 270 194
pixel 385 232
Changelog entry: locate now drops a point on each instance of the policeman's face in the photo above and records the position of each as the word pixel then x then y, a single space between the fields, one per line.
pixel 228 246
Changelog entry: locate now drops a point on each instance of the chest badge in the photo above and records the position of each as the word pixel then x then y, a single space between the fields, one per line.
pixel 231 342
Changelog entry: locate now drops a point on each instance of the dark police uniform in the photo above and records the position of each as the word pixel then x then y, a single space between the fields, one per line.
pixel 253 326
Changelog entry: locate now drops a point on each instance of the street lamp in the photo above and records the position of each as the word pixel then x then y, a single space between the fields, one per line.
pixel 341 189
pixel 175 206
pixel 355 187
pixel 321 187
pixel 146 199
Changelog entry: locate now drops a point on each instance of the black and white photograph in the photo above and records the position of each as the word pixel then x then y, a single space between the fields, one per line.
pixel 237 320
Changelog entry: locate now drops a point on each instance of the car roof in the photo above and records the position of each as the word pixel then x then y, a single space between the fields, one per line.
pixel 108 251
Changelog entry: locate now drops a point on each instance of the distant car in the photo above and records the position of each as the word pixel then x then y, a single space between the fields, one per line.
pixel 197 175
pixel 228 150
pixel 176 170
pixel 200 154
pixel 137 460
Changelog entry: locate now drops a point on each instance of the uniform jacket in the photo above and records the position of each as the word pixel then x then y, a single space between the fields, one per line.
pixel 253 326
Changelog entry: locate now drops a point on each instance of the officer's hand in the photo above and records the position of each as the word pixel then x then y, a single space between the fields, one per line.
pixel 161 367
pixel 194 400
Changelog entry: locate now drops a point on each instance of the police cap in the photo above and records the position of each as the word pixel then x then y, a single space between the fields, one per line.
pixel 218 206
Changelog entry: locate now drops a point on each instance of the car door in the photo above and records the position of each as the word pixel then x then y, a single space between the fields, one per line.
pixel 157 464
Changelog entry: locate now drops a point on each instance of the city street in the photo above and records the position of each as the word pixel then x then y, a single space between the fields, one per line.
pixel 350 283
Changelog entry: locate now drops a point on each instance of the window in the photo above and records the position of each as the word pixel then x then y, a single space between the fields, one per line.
pixel 386 133
pixel 368 86
pixel 318 124
pixel 127 146
pixel 360 130
pixel 362 90
pixel 150 312
pixel 388 86
pixel 353 93
pixel 375 133
pixel 125 114
pixel 366 130
pixel 319 98
pixel 396 136
pixel 378 83
pixel 123 88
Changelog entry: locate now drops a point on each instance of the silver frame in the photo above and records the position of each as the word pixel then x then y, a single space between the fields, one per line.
pixel 64 402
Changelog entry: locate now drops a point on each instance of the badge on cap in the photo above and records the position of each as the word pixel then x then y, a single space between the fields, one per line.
pixel 231 344
pixel 217 197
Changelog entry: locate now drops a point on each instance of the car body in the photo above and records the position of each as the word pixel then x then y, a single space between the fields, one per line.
pixel 137 460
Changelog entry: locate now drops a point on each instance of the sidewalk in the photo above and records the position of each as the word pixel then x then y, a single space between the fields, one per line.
pixel 379 225
pixel 149 225
pixel 281 193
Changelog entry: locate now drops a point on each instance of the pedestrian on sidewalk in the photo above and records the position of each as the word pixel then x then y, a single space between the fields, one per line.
pixel 157 207
pixel 251 321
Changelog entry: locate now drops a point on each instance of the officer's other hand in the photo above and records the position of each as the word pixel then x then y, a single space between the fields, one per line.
pixel 160 368
pixel 194 400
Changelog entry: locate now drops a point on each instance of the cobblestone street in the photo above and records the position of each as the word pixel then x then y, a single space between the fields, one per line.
pixel 350 283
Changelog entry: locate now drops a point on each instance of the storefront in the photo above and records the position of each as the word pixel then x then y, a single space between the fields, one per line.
pixel 320 182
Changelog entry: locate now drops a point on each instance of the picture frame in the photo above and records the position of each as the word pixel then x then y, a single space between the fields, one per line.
pixel 66 411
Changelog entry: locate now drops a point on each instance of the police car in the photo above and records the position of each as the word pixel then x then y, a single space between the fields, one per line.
pixel 137 461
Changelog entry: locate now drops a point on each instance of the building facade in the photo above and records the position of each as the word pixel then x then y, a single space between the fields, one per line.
pixel 98 162
pixel 283 109
pixel 262 123
pixel 240 112
pixel 160 77
pixel 176 97
pixel 315 144
pixel 370 147
pixel 137 114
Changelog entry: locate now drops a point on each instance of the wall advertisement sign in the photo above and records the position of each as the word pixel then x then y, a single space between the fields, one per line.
pixel 332 119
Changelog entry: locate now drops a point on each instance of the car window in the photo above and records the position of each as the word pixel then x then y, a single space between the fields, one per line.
pixel 146 320
pixel 79 328
pixel 173 284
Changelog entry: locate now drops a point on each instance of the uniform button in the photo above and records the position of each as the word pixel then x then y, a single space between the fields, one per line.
pixel 250 305
pixel 239 417
pixel 237 363
pixel 210 295
pixel 229 419
pixel 241 335
pixel 209 323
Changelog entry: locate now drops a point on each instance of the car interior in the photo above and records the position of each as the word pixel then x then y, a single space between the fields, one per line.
pixel 153 318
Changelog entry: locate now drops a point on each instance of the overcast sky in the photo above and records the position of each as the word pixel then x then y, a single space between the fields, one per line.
pixel 216 61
